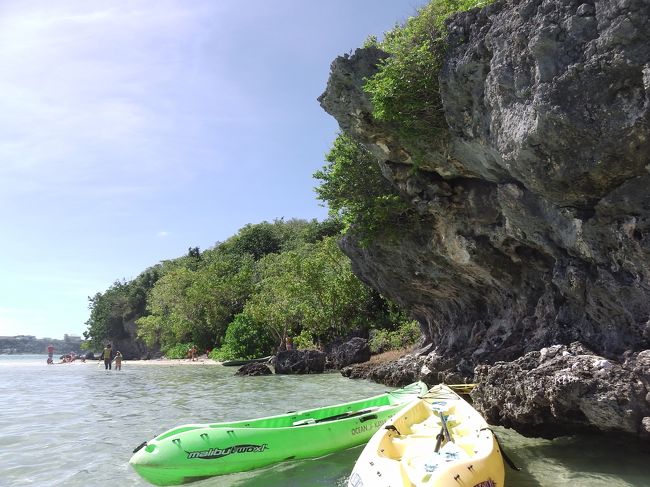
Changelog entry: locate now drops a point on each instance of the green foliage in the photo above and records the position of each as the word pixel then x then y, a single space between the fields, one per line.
pixel 240 299
pixel 170 314
pixel 178 350
pixel 311 288
pixel 304 341
pixel 245 339
pixel 266 238
pixel 408 333
pixel 121 302
pixel 198 305
pixel 405 89
pixel 357 193
pixel 257 240
pixel 371 41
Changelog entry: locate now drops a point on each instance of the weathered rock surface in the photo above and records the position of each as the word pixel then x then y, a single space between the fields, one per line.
pixel 407 369
pixel 300 362
pixel 534 211
pixel 353 351
pixel 254 369
pixel 131 346
pixel 563 388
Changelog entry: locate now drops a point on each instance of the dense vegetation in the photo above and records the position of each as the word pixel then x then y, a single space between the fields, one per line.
pixel 405 88
pixel 404 92
pixel 243 297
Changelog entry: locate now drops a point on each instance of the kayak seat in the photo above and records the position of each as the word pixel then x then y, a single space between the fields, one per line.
pixel 421 461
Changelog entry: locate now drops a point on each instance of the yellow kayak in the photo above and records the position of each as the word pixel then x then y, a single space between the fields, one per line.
pixel 438 441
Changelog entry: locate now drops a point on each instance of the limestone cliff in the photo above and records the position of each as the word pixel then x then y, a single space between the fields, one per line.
pixel 534 209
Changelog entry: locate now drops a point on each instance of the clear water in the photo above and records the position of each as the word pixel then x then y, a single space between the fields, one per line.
pixel 76 425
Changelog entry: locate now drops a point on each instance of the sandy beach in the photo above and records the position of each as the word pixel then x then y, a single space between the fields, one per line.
pixel 202 360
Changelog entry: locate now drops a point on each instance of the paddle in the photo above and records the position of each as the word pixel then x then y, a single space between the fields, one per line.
pixel 444 431
pixel 445 427
pixel 347 414
pixel 439 440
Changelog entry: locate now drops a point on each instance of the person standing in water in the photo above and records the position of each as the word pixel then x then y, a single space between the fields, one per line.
pixel 118 360
pixel 106 355
pixel 50 352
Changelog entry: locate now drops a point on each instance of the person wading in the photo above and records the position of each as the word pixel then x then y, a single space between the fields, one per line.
pixel 106 355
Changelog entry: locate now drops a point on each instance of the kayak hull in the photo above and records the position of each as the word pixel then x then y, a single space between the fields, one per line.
pixel 408 452
pixel 196 451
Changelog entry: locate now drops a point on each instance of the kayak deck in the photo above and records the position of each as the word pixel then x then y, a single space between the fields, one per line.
pixel 437 441
pixel 195 451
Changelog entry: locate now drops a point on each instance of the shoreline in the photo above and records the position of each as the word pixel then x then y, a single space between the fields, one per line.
pixel 169 362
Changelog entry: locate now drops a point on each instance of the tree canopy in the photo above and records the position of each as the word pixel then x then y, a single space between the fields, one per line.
pixel 245 295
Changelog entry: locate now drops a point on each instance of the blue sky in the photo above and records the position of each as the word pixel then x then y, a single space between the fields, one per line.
pixel 131 130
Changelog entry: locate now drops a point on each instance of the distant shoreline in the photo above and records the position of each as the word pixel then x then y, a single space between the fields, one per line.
pixel 166 361
pixel 203 360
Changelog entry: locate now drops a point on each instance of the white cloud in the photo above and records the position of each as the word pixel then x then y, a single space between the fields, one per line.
pixel 163 234
pixel 94 96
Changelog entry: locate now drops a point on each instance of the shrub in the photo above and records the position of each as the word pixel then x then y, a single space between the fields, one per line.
pixel 356 191
pixel 408 333
pixel 177 351
pixel 245 339
pixel 304 341
pixel 405 88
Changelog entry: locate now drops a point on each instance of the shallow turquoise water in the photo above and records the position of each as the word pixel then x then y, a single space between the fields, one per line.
pixel 77 424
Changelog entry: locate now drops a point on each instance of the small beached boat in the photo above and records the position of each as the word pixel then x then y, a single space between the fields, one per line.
pixel 233 363
pixel 437 441
pixel 195 451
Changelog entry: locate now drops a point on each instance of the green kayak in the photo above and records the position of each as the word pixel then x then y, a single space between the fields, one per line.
pixel 195 451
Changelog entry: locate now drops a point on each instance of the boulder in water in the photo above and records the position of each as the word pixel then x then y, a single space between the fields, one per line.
pixel 254 368
pixel 353 351
pixel 300 362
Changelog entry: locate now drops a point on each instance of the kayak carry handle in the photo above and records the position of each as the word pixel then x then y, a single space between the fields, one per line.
pixel 367 418
pixel 391 427
pixel 140 446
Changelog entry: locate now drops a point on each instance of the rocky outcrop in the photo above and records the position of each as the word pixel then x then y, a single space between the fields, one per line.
pixel 353 351
pixel 407 369
pixel 534 213
pixel 564 388
pixel 254 369
pixel 131 346
pixel 300 362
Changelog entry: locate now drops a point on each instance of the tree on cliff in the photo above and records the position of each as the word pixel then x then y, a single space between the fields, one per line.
pixel 356 192
pixel 121 302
